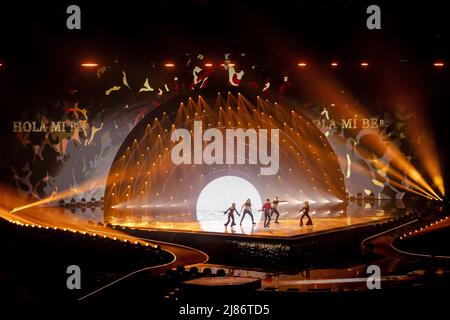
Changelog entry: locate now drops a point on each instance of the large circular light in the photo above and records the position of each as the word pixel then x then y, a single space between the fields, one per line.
pixel 219 194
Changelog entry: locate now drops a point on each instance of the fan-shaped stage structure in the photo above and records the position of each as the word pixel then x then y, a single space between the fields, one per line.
pixel 270 148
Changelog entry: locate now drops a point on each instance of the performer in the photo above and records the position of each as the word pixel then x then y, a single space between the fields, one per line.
pixel 247 209
pixel 231 210
pixel 267 209
pixel 305 210
pixel 275 208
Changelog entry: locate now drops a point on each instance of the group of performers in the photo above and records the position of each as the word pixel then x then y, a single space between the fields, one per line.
pixel 269 209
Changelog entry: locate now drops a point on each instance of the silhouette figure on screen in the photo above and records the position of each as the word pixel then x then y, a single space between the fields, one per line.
pixel 267 209
pixel 247 206
pixel 305 210
pixel 231 210
pixel 275 208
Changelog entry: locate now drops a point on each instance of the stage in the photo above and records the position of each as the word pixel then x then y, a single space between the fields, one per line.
pixel 284 246
pixel 285 228
pixel 324 220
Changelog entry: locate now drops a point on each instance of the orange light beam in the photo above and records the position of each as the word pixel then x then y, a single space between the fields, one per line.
pixel 67 193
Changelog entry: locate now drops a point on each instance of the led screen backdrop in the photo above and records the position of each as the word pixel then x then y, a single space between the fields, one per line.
pixel 75 140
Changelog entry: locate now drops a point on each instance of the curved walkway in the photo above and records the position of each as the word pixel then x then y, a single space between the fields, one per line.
pixel 383 243
pixel 182 256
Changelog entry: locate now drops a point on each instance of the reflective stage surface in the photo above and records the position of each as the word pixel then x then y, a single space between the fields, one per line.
pixel 325 218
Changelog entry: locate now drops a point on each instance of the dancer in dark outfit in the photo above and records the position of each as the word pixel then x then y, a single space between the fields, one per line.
pixel 305 210
pixel 267 209
pixel 247 206
pixel 275 208
pixel 231 210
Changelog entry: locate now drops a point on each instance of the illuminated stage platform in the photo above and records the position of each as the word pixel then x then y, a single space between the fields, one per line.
pixel 336 234
pixel 356 218
pixel 286 228
pixel 324 220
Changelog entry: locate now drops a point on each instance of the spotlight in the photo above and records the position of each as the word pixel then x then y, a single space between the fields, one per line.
pixel 364 64
pixel 302 64
pixel 207 272
pixel 180 269
pixel 334 64
pixel 193 270
pixel 359 197
pixel 169 65
pixel 83 203
pixel 347 197
pixel 438 64
pixel 208 65
pixel 220 273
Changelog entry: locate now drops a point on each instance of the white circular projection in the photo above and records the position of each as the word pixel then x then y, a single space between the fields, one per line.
pixel 218 195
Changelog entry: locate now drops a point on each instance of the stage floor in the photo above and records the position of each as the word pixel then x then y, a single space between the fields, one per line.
pixel 323 221
pixel 285 228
